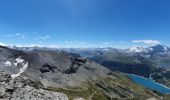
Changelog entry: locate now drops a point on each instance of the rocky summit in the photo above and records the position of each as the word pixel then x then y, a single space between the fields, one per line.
pixel 58 75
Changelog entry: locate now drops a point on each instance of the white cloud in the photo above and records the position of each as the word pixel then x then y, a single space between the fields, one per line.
pixel 42 37
pixel 23 36
pixel 16 35
pixel 47 36
pixel 20 35
pixel 148 42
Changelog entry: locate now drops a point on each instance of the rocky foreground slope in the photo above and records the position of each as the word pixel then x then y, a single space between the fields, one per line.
pixel 21 89
pixel 57 75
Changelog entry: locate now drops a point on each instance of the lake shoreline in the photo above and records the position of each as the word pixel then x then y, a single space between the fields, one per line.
pixel 149 80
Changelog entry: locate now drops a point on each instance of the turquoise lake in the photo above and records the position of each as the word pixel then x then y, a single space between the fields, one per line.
pixel 149 84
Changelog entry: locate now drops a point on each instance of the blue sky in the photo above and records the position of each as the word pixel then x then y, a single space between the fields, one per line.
pixel 85 23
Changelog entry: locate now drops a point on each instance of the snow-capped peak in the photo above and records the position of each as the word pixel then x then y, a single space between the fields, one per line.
pixel 157 48
pixel 137 49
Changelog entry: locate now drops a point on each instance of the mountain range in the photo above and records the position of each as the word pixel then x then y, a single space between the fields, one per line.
pixel 151 62
pixel 81 74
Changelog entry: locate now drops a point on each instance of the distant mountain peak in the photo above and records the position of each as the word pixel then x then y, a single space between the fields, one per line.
pixel 137 49
pixel 156 48
pixel 159 48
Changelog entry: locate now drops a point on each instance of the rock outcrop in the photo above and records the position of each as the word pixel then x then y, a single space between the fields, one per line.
pixel 21 89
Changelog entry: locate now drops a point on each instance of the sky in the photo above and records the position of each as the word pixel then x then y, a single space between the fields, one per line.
pixel 85 23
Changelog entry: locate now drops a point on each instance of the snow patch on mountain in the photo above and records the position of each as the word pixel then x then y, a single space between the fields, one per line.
pixel 18 60
pixel 7 63
pixel 20 71
pixel 24 67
